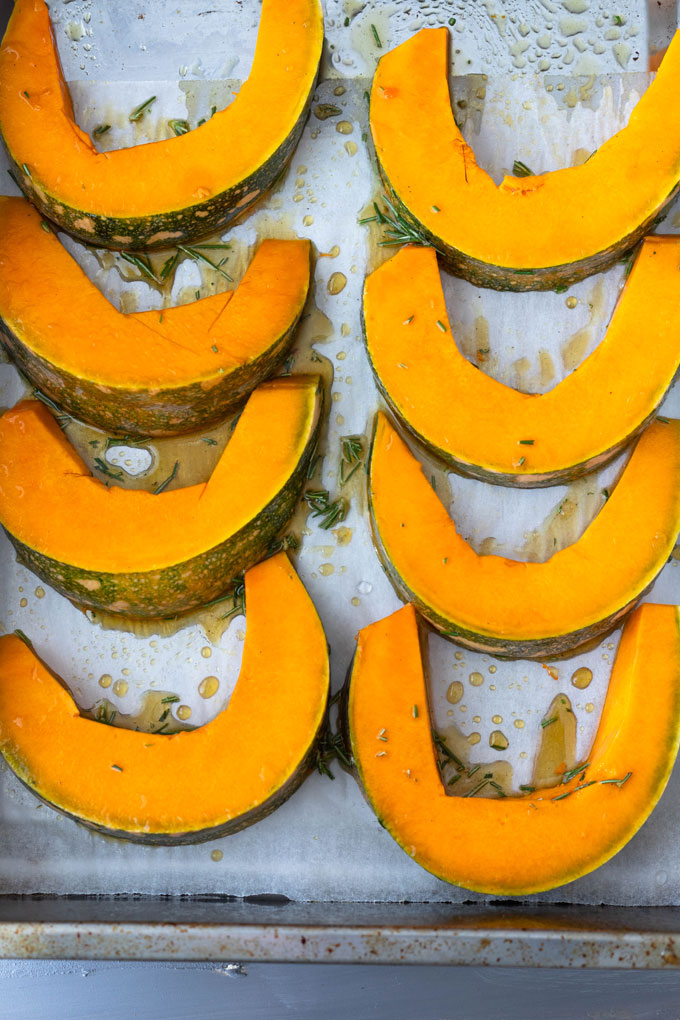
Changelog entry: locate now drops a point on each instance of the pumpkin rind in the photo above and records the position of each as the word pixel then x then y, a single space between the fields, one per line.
pixel 159 373
pixel 530 233
pixel 516 845
pixel 126 198
pixel 224 776
pixel 144 555
pixel 491 432
pixel 511 608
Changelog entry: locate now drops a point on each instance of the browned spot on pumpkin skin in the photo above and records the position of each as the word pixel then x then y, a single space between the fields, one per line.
pixel 251 196
pixel 90 583
pixel 202 213
pixel 85 223
pixel 121 239
pixel 164 235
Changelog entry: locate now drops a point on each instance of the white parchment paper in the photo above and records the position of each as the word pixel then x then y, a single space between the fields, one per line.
pixel 544 82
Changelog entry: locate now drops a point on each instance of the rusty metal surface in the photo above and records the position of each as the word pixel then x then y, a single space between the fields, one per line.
pixel 266 931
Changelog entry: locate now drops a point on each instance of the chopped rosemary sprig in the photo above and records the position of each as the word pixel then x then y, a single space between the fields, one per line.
pixel 22 637
pixel 378 42
pixel 561 288
pixel 203 120
pixel 63 419
pixel 526 442
pixel 140 262
pixel 618 782
pixel 208 440
pixel 572 773
pixel 198 256
pixel 477 788
pixel 520 169
pixel 475 768
pixel 238 597
pixel 522 461
pixel 414 711
pixel 332 746
pixel 217 246
pixel 180 127
pixel 140 110
pixel 170 700
pixel 320 503
pixel 105 715
pixel 116 768
pixel 442 746
pixel 399 231
pixel 454 779
pixel 441 326
pixel 101 129
pixel 164 484
pixel 352 451
pixel 102 466
pixel 528 789
pixel 168 267
pixel 664 421
pixel 548 722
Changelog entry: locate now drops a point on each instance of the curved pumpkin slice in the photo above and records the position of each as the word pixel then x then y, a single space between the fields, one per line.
pixel 150 196
pixel 516 609
pixel 529 233
pixel 149 373
pixel 489 431
pixel 139 554
pixel 193 785
pixel 516 846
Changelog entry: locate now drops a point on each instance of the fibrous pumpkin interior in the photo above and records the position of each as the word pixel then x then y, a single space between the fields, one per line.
pixel 542 220
pixel 38 125
pixel 48 302
pixel 485 428
pixel 610 565
pixel 513 846
pixel 51 503
pixel 219 776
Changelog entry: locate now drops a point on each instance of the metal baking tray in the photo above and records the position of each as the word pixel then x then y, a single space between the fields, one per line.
pixel 319 880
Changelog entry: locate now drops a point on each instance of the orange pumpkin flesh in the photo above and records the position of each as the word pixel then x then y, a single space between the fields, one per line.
pixel 132 552
pixel 514 846
pixel 150 195
pixel 531 232
pixel 517 609
pixel 195 784
pixel 485 429
pixel 149 373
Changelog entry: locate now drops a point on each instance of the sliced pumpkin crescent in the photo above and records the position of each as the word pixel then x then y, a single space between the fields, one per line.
pixel 196 784
pixel 139 554
pixel 489 431
pixel 158 373
pixel 532 232
pixel 516 609
pixel 515 846
pixel 150 196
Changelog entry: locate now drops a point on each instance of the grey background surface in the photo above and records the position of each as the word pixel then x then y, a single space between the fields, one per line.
pixel 120 991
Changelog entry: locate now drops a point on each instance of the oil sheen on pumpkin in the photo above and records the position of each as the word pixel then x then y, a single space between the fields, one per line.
pixel 530 232
pixel 497 434
pixel 513 608
pixel 139 554
pixel 149 196
pixel 158 373
pixel 516 845
pixel 192 785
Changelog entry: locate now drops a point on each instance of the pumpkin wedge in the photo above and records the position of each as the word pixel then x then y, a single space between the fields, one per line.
pixel 515 846
pixel 528 233
pixel 526 610
pixel 148 373
pixel 139 554
pixel 193 785
pixel 494 433
pixel 150 196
